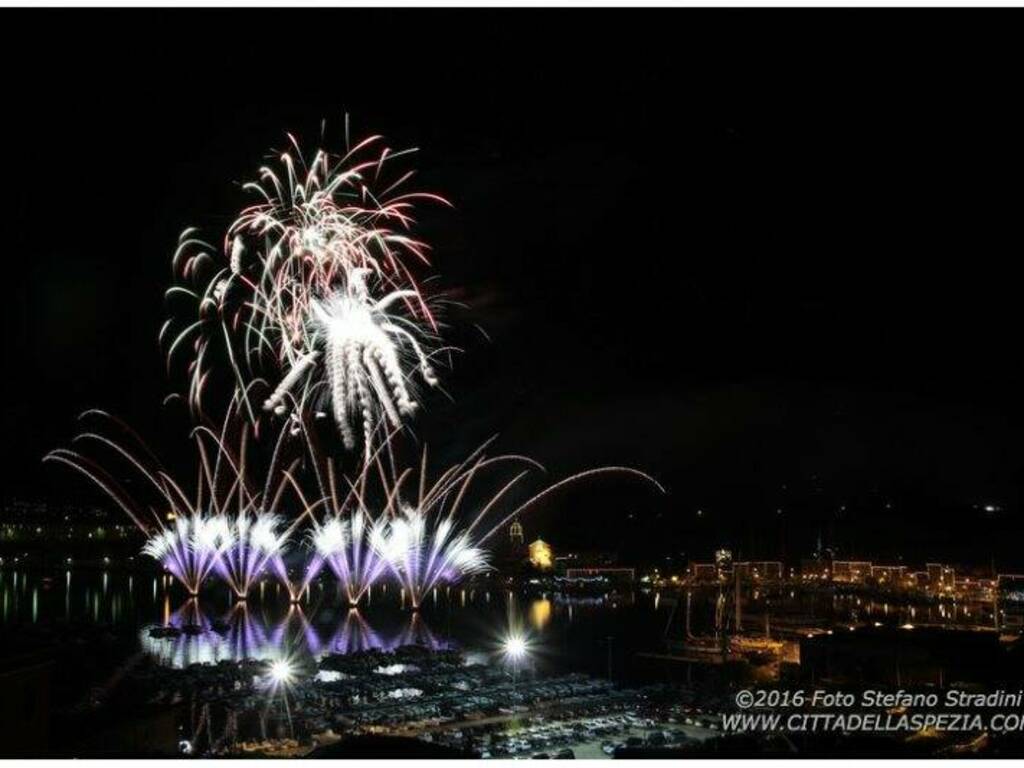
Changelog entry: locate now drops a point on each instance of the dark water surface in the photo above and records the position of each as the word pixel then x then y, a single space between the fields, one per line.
pixel 566 633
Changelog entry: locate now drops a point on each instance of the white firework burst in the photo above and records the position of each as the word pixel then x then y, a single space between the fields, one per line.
pixel 314 283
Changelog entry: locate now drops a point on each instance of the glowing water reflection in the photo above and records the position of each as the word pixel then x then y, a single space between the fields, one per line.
pixel 540 613
pixel 189 636
pixel 354 635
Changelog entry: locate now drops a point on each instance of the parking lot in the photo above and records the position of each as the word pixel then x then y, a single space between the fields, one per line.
pixel 544 734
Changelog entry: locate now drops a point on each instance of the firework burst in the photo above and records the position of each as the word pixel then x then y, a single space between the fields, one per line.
pixel 226 528
pixel 187 548
pixel 355 549
pixel 427 553
pixel 314 287
pixel 440 537
pixel 424 536
pixel 252 544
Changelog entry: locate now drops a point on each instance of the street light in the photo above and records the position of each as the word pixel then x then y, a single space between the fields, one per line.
pixel 280 676
pixel 281 672
pixel 516 649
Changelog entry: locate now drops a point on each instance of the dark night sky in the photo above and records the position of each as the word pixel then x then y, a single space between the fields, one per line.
pixel 769 256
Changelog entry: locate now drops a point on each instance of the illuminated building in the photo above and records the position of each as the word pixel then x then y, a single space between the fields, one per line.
pixel 759 570
pixel 815 569
pixel 541 556
pixel 515 534
pixel 941 578
pixel 723 561
pixel 918 580
pixel 977 588
pixel 609 573
pixel 889 575
pixel 1010 587
pixel 703 573
pixel 851 571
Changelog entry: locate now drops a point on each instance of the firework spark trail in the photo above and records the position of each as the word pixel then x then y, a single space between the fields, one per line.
pixel 350 539
pixel 425 539
pixel 346 546
pixel 185 549
pixel 228 528
pixel 224 528
pixel 276 401
pixel 251 545
pixel 362 347
pixel 437 549
pixel 314 280
pixel 430 554
pixel 173 545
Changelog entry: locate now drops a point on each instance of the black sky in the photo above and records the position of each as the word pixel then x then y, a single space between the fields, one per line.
pixel 770 256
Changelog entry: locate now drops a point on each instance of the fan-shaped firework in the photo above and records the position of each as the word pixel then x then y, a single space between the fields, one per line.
pixel 315 278
pixel 226 527
pixel 186 548
pixel 434 535
pixel 251 545
pixel 347 546
pixel 431 552
pixel 430 537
